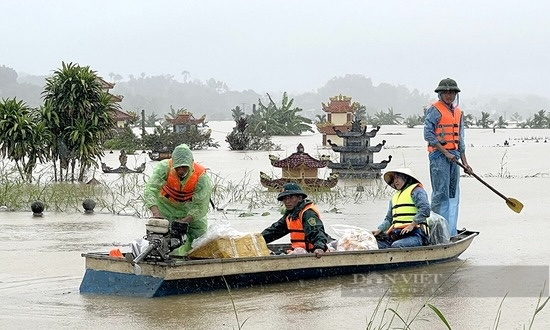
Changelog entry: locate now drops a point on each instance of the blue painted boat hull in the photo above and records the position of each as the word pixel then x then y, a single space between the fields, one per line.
pixel 104 282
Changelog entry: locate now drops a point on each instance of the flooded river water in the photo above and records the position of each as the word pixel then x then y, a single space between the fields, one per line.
pixel 42 267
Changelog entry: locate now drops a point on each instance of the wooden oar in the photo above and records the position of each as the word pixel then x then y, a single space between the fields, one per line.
pixel 512 203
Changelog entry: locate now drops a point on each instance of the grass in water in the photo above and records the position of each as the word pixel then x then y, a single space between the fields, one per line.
pixel 239 325
pixel 390 315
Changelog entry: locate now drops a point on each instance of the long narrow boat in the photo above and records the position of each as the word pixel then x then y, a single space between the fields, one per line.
pixel 160 155
pixel 116 276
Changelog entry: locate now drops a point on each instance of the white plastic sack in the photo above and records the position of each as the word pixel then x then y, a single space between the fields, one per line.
pixel 352 238
pixel 138 245
pixel 217 229
pixel 439 230
pixel 298 250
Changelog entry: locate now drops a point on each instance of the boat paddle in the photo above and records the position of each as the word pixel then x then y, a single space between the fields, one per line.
pixel 512 203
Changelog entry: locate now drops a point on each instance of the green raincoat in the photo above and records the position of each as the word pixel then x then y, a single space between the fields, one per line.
pixel 171 210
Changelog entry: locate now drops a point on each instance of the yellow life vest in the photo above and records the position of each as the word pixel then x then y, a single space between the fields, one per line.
pixel 403 208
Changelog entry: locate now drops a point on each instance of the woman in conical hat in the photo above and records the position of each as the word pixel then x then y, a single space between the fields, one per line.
pixel 405 223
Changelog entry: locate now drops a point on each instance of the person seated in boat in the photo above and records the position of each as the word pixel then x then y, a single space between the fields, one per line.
pixel 179 190
pixel 301 220
pixel 405 224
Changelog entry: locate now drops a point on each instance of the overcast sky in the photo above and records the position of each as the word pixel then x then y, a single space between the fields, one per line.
pixel 296 46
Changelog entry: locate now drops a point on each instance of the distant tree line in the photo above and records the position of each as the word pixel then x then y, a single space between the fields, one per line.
pixel 156 94
pixel 74 120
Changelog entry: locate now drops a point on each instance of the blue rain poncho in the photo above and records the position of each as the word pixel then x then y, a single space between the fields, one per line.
pixel 197 207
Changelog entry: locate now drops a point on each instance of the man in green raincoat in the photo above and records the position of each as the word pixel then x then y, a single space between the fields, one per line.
pixel 179 190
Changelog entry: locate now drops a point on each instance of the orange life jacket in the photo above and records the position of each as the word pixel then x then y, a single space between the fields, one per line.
pixel 448 127
pixel 296 229
pixel 173 189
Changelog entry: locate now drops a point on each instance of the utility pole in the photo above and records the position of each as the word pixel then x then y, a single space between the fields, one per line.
pixel 142 123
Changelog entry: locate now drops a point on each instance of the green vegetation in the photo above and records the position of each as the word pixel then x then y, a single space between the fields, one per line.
pixel 540 120
pixel 24 135
pixel 485 121
pixel 272 120
pixel 414 120
pixel 385 118
pixel 242 137
pixel 165 139
pixel 121 196
pixel 124 195
pixel 81 118
pixel 254 131
pixel 71 126
pixel 123 138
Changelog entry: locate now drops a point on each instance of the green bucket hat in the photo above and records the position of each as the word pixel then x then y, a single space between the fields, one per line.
pixel 447 84
pixel 291 188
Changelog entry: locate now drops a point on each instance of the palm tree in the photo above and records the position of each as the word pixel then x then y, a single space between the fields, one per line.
pixel 151 120
pixel 135 118
pixel 85 114
pixel 24 136
pixel 361 112
pixel 414 120
pixel 516 117
pixel 540 120
pixel 237 113
pixel 175 112
pixel 501 123
pixel 394 118
pixel 388 118
pixel 468 120
pixel 484 122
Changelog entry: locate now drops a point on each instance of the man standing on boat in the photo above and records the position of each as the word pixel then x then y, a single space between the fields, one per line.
pixel 179 190
pixel 301 220
pixel 405 224
pixel 444 132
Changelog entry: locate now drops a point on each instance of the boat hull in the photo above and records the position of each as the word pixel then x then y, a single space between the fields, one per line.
pixel 115 276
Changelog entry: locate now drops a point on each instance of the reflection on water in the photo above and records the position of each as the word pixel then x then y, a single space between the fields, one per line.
pixel 42 266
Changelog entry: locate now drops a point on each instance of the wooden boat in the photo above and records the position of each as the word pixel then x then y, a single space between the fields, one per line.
pixel 122 169
pixel 159 155
pixel 115 276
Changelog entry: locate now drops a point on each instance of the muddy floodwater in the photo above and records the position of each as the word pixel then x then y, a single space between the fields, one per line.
pixel 42 267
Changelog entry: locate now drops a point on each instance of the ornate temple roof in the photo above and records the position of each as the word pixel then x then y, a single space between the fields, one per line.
pixel 185 118
pixel 104 84
pixel 340 104
pixel 308 184
pixel 299 158
pixel 121 115
pixel 330 129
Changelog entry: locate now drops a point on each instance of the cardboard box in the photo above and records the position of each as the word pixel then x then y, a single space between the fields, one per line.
pixel 250 245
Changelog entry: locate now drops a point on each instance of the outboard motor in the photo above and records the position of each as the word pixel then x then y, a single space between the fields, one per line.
pixel 162 240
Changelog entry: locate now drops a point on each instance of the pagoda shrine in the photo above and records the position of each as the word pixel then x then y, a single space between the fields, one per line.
pixel 122 118
pixel 184 120
pixel 180 123
pixel 340 112
pixel 301 168
pixel 357 153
